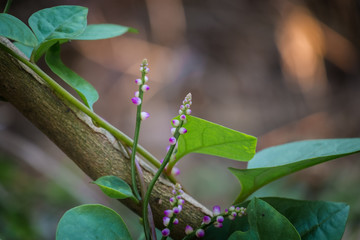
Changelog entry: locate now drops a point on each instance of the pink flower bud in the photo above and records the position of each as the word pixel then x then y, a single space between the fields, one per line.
pixel 216 210
pixel 146 79
pixel 168 213
pixel 144 115
pixel 175 171
pixel 175 122
pixel 166 221
pixel 145 88
pixel 136 100
pixel 220 219
pixel 183 117
pixel 188 111
pixel 172 141
pixel 138 81
pixel 176 221
pixel 165 232
pixel 206 220
pixel 188 229
pixel 172 130
pixel 137 94
pixel 200 233
pixel 182 130
pixel 218 225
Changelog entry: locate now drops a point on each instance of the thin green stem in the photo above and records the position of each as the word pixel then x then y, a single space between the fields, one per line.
pixel 153 181
pixel 96 118
pixel 7 6
pixel 136 139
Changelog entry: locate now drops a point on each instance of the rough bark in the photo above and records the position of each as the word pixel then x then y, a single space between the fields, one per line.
pixel 93 149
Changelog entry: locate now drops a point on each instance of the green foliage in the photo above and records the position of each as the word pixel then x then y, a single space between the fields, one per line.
pixel 115 187
pixel 85 90
pixel 55 26
pixel 279 161
pixel 92 221
pixel 213 139
pixel 14 29
pixel 313 220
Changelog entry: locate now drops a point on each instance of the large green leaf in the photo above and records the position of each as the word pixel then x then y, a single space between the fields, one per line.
pixel 314 220
pixel 86 91
pixel 61 22
pixel 103 31
pixel 92 222
pixel 115 187
pixel 25 49
pixel 266 223
pixel 213 139
pixel 282 160
pixel 14 29
pixel 56 24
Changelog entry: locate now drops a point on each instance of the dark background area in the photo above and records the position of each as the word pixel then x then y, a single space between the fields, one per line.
pixel 279 70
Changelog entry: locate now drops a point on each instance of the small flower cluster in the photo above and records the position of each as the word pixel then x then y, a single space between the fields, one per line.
pixel 143 87
pixel 217 219
pixel 170 214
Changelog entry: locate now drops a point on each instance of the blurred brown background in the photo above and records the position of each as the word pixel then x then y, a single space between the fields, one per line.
pixel 279 70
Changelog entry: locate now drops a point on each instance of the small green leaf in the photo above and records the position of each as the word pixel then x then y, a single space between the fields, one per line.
pixel 61 22
pixel 213 139
pixel 314 220
pixel 115 187
pixel 91 222
pixel 86 91
pixel 279 161
pixel 103 31
pixel 14 29
pixel 25 49
pixel 265 223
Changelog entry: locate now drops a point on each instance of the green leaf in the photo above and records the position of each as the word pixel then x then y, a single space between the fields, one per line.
pixel 265 223
pixel 282 160
pixel 86 91
pixel 14 29
pixel 312 219
pixel 115 187
pixel 103 31
pixel 213 139
pixel 61 22
pixel 43 47
pixel 25 49
pixel 91 222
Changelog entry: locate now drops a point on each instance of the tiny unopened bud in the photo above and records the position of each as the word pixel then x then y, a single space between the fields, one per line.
pixel 220 219
pixel 166 221
pixel 183 117
pixel 137 94
pixel 138 81
pixel 144 115
pixel 188 229
pixel 173 130
pixel 188 111
pixel 136 100
pixel 218 225
pixel 200 233
pixel 172 141
pixel 168 213
pixel 175 171
pixel 145 88
pixel 182 130
pixel 176 221
pixel 216 210
pixel 165 232
pixel 146 79
pixel 206 220
pixel 175 122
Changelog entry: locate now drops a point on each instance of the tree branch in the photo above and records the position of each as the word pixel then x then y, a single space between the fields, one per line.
pixel 93 149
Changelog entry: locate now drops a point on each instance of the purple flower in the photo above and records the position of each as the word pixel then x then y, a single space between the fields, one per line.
pixel 188 111
pixel 172 201
pixel 206 220
pixel 172 141
pixel 175 122
pixel 200 233
pixel 220 219
pixel 176 210
pixel 137 94
pixel 181 201
pixel 175 171
pixel 145 88
pixel 146 79
pixel 165 232
pixel 138 81
pixel 216 210
pixel 168 213
pixel 144 115
pixel 172 130
pixel 136 100
pixel 182 130
pixel 218 225
pixel 166 221
pixel 176 221
pixel 188 229
pixel 183 117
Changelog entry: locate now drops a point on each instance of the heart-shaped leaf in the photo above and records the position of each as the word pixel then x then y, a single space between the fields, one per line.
pixel 276 162
pixel 91 222
pixel 314 220
pixel 86 91
pixel 103 31
pixel 25 49
pixel 265 223
pixel 61 22
pixel 213 139
pixel 115 187
pixel 14 29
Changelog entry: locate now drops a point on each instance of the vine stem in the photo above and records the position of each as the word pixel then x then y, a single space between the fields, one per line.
pixel 7 6
pixel 153 181
pixel 136 139
pixel 96 118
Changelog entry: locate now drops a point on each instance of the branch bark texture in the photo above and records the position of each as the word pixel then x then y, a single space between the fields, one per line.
pixel 93 149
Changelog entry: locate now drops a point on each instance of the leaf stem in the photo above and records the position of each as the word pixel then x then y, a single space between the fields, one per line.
pixel 7 6
pixel 153 181
pixel 96 118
